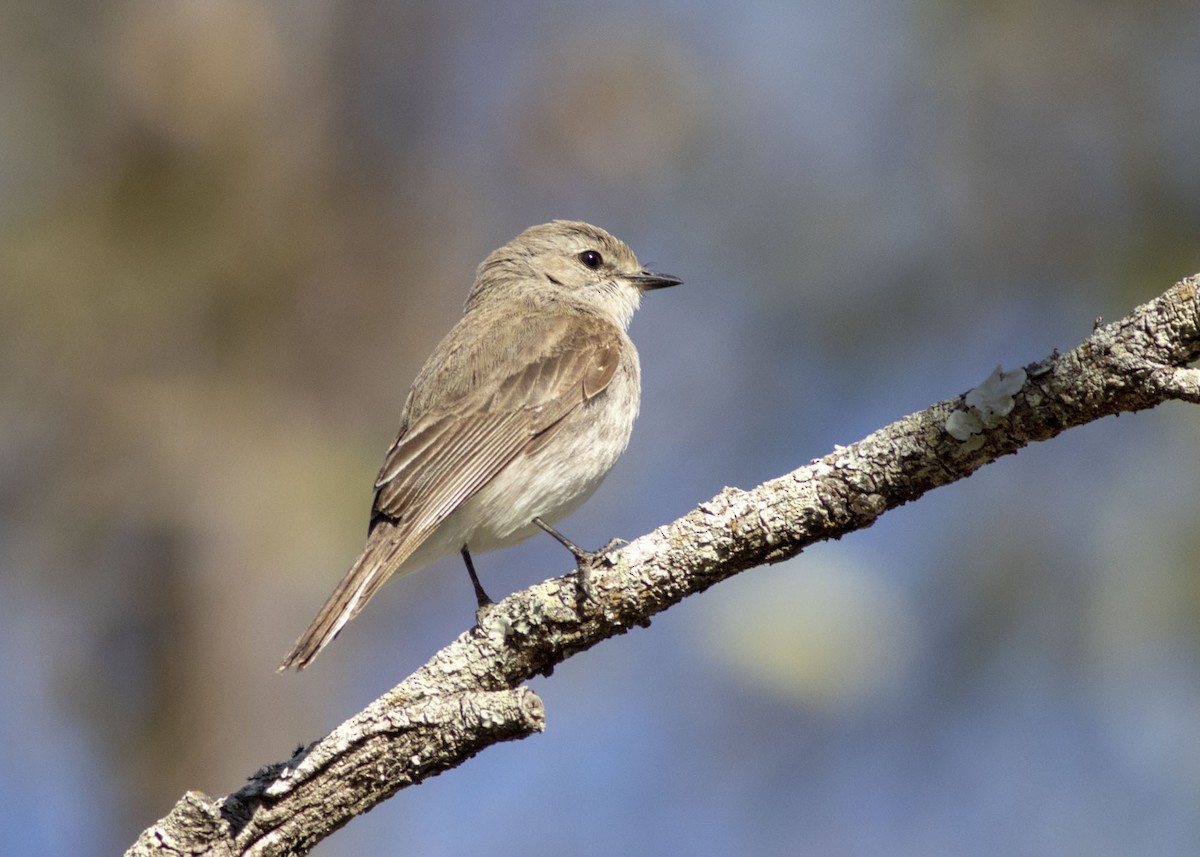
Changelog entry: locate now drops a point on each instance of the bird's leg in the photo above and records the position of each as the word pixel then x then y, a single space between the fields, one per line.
pixel 481 597
pixel 585 561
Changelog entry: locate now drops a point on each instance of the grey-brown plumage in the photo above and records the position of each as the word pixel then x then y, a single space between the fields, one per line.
pixel 518 414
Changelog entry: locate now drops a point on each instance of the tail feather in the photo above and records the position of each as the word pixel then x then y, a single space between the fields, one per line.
pixel 381 557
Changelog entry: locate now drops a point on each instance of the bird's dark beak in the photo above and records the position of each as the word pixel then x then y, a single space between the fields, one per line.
pixel 646 280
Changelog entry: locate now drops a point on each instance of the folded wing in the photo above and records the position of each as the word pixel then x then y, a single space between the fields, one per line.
pixel 451 445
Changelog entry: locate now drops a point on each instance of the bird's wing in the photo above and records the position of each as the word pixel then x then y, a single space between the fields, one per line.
pixel 449 453
pixel 455 444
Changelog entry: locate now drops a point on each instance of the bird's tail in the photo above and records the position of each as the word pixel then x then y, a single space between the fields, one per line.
pixel 381 557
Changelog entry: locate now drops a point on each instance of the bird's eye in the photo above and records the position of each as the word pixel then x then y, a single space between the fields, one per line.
pixel 591 259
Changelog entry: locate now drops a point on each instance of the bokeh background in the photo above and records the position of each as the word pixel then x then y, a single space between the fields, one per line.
pixel 230 233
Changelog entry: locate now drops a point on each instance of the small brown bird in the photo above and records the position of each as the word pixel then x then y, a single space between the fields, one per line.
pixel 515 418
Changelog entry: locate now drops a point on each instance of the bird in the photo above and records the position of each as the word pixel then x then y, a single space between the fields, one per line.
pixel 514 419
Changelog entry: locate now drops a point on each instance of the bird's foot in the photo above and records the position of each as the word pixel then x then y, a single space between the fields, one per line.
pixel 481 597
pixel 585 561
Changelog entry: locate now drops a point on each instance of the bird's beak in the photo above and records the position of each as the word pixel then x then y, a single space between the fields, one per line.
pixel 646 280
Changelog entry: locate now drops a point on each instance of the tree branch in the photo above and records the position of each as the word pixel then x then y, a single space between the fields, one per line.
pixel 468 695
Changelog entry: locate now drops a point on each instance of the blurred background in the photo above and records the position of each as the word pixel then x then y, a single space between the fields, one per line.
pixel 230 233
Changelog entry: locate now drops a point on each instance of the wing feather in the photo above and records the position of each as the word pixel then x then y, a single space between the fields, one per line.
pixel 455 438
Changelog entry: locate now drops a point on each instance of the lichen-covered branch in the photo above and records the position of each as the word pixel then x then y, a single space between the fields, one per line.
pixel 469 696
